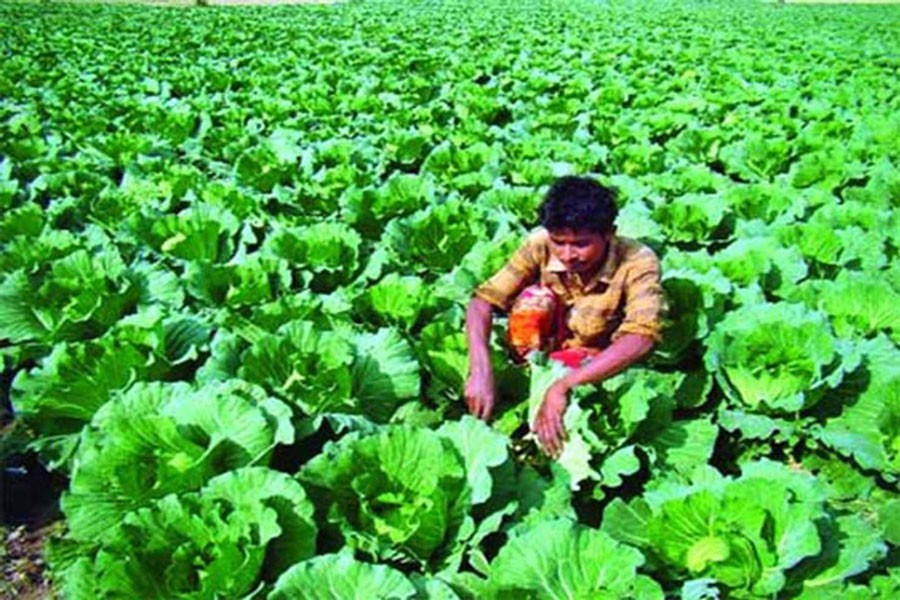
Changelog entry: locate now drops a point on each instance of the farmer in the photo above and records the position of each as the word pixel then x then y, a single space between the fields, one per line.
pixel 574 289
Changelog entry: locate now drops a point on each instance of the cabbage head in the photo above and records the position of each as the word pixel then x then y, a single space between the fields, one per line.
pixel 777 357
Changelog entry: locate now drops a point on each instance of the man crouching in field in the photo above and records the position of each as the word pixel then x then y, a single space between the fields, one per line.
pixel 574 289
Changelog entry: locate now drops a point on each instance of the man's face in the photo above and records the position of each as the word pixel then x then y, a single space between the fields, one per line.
pixel 580 251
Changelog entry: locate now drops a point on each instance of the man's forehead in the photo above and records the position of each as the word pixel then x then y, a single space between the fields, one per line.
pixel 573 235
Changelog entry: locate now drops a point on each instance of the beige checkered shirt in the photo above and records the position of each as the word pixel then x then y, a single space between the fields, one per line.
pixel 624 296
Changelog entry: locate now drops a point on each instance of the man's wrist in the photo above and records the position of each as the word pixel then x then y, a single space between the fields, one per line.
pixel 565 383
pixel 480 367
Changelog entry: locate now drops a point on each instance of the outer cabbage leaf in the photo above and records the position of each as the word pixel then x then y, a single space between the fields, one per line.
pixel 269 163
pixel 80 296
pixel 867 429
pixel 396 300
pixel 828 168
pixel 483 259
pixel 320 370
pixel 436 239
pixel 761 260
pixel 203 232
pixel 303 364
pixel 20 322
pixel 370 210
pixel 481 448
pixel 8 184
pixel 696 300
pixel 848 234
pixel 341 576
pixel 639 158
pixel 851 545
pixel 326 253
pixel 219 541
pixel 521 202
pixel 26 221
pixel 881 587
pixel 683 445
pixel 157 439
pixel 635 220
pixel 246 280
pixel 776 357
pixel 818 242
pixel 745 533
pixel 399 495
pixel 558 559
pixel 861 302
pixel 471 170
pixel 758 157
pixel 765 201
pixel 61 395
pixel 384 373
pixel 692 218
pixel 575 457
pixel 444 353
pixel 846 215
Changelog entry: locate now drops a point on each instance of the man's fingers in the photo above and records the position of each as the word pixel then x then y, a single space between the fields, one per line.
pixel 480 407
pixel 547 437
pixel 553 440
pixel 550 447
pixel 539 429
pixel 553 435
pixel 479 397
pixel 545 434
pixel 555 447
pixel 550 433
pixel 487 409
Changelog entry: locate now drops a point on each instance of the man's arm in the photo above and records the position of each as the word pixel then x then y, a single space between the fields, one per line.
pixel 499 291
pixel 619 355
pixel 480 385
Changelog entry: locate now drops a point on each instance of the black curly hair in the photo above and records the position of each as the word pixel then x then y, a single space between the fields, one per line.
pixel 579 204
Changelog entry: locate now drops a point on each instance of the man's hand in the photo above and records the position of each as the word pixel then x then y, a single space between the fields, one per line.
pixel 548 424
pixel 619 355
pixel 480 393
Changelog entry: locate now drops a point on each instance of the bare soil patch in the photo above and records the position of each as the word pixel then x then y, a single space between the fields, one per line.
pixel 22 557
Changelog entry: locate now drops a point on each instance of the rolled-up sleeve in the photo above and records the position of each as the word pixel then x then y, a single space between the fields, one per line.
pixel 644 298
pixel 522 270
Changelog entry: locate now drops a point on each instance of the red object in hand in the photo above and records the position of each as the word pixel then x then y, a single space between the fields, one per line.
pixel 572 357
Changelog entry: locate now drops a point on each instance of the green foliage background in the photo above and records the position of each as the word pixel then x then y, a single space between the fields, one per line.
pixel 236 246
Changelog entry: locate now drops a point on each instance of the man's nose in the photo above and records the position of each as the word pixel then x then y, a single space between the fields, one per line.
pixel 566 254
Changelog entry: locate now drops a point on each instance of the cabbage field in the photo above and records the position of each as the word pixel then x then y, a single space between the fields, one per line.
pixel 236 247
